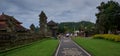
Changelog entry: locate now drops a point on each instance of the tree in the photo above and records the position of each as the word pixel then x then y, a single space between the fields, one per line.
pixel 32 27
pixel 73 26
pixel 108 17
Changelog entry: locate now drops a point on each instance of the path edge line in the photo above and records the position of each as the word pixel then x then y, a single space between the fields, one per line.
pixel 56 53
pixel 82 49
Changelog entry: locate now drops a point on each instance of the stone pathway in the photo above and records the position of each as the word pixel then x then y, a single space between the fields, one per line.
pixel 69 48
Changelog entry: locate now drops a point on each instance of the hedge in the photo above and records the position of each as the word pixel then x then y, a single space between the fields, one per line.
pixel 107 37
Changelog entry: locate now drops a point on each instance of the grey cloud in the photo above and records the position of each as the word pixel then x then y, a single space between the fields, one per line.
pixel 27 11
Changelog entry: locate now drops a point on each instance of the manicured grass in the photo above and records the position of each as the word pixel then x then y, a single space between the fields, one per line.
pixel 99 47
pixel 40 48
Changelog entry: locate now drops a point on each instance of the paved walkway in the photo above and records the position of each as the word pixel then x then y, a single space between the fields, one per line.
pixel 69 48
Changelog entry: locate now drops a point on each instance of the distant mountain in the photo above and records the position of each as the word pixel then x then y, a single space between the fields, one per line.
pixel 71 26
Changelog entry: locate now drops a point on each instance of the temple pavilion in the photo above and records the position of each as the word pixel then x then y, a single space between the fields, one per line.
pixel 10 24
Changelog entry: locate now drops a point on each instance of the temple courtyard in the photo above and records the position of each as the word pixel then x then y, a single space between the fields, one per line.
pixel 67 47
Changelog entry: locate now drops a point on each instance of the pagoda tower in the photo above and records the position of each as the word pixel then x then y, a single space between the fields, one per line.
pixel 43 24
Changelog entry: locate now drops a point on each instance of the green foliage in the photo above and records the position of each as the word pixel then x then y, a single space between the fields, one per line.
pixel 107 36
pixel 108 17
pixel 32 27
pixel 71 26
pixel 62 29
pixel 99 47
pixel 45 47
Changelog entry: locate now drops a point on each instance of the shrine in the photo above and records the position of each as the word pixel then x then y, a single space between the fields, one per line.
pixel 53 28
pixel 10 24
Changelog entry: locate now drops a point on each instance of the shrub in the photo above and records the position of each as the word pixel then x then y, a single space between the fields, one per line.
pixel 107 37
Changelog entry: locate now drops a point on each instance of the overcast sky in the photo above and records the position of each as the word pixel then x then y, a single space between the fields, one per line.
pixel 27 11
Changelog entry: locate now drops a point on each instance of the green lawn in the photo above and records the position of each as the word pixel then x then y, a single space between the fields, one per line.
pixel 99 47
pixel 40 48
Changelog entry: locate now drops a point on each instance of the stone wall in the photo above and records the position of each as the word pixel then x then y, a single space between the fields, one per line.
pixel 8 40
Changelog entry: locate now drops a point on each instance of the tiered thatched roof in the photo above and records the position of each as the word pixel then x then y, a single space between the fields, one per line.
pixel 10 22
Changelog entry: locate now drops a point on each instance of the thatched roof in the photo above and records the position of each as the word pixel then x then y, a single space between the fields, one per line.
pixel 52 23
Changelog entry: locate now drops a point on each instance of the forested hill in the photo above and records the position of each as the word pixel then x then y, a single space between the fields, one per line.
pixel 71 26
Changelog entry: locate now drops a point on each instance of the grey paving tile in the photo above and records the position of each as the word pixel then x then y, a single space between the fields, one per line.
pixel 69 48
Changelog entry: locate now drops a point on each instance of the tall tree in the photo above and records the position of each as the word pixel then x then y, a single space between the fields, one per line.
pixel 108 17
pixel 32 27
